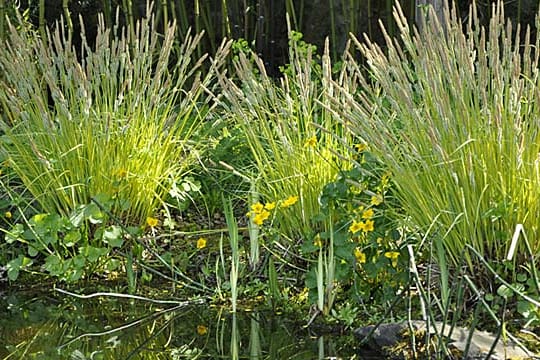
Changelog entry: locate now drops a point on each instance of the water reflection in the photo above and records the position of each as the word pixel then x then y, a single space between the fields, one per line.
pixel 47 327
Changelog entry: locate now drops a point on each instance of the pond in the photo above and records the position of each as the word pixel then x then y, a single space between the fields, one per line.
pixel 51 325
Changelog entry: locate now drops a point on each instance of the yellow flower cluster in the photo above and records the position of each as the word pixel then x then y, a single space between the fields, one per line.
pixel 291 200
pixel 260 213
pixel 366 226
pixel 121 173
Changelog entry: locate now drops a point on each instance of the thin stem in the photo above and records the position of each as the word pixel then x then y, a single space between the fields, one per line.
pixel 2 19
pixel 69 22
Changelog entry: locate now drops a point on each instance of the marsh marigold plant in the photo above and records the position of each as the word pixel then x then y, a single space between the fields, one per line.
pixel 259 212
pixel 366 244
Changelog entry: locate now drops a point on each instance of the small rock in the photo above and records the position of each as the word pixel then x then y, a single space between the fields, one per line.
pixel 392 336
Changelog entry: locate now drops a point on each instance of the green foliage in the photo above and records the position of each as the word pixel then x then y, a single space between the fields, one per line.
pixel 453 115
pixel 370 259
pixel 346 314
pixel 508 298
pixel 68 248
pixel 299 49
pixel 118 119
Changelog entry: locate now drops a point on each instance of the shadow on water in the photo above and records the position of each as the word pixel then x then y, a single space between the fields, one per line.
pixel 51 327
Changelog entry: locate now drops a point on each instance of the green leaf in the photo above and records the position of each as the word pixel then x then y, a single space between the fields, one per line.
pixel 93 213
pixel 92 253
pixel 79 262
pixel 525 308
pixel 72 237
pixel 78 216
pixel 15 233
pixel 13 267
pixel 54 265
pixel 103 200
pixel 113 236
pixel 134 231
pixel 112 265
pixel 74 275
pixel 505 291
pixel 32 251
pixel 38 219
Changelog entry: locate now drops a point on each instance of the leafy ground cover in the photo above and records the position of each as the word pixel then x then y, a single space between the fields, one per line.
pixel 403 190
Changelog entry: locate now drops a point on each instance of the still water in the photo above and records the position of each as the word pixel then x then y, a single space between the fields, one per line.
pixel 59 326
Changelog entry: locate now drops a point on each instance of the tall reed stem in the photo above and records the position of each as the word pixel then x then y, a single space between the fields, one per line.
pixel 2 20
pixel 165 10
pixel 41 21
pixel 253 229
pixel 67 16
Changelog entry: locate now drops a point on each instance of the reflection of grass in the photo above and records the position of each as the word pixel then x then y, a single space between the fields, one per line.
pixel 38 327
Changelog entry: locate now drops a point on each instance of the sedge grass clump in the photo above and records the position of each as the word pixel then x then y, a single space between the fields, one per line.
pixel 454 116
pixel 288 130
pixel 116 119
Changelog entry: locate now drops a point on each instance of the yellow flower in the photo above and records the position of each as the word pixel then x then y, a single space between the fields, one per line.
pixel 368 214
pixel 311 142
pixel 392 255
pixel 291 200
pixel 385 178
pixel 270 206
pixel 121 173
pixel 360 147
pixel 260 217
pixel 8 214
pixel 201 243
pixel 356 226
pixel 376 199
pixel 152 222
pixel 317 242
pixel 369 226
pixel 360 256
pixel 202 330
pixel 257 208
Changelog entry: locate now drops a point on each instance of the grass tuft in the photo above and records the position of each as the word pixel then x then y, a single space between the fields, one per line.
pixel 454 115
pixel 117 119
